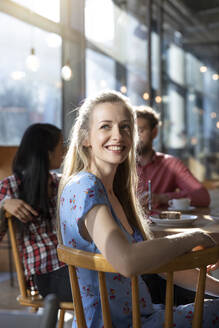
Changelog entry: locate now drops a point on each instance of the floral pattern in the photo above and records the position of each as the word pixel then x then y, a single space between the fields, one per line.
pixel 82 193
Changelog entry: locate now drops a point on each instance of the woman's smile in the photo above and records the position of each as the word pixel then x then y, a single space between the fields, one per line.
pixel 116 148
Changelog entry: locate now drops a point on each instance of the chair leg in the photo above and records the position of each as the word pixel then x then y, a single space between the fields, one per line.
pixel 61 318
pixel 10 262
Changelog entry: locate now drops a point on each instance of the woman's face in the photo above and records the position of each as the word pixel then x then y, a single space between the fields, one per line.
pixel 56 156
pixel 110 135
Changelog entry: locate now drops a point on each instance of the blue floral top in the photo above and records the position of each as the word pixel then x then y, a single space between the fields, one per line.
pixel 81 194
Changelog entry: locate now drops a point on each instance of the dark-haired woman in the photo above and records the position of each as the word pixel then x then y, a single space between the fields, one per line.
pixel 30 195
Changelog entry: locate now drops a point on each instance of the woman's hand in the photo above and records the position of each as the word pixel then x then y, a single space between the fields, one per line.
pixel 20 209
pixel 205 240
pixel 212 267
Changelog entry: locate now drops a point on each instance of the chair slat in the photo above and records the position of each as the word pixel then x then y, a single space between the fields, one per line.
pixel 169 301
pixel 79 310
pixel 104 301
pixel 135 303
pixel 200 293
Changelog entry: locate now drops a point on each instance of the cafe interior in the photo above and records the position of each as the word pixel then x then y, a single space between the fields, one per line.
pixel 160 53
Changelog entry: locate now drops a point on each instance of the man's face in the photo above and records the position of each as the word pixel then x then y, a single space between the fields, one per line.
pixel 146 136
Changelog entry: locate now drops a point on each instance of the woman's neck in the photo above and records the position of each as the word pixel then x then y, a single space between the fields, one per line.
pixel 106 176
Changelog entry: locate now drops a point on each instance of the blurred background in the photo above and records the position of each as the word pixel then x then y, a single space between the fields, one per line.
pixel 164 53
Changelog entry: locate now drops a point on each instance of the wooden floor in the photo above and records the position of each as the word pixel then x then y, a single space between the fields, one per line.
pixel 8 295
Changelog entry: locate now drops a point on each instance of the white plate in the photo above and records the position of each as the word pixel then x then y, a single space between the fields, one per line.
pixel 186 220
pixel 214 217
pixel 190 208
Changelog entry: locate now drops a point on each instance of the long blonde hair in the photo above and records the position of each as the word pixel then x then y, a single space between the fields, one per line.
pixel 77 159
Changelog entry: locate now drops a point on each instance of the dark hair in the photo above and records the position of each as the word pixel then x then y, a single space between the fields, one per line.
pixel 31 164
pixel 148 114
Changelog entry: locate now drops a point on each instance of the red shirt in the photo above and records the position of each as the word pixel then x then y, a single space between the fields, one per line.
pixel 170 176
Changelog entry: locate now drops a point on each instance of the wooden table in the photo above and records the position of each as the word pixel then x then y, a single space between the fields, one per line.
pixel 208 220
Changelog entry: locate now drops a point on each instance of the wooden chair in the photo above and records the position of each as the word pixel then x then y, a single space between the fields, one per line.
pixel 6 157
pixel 77 258
pixel 27 297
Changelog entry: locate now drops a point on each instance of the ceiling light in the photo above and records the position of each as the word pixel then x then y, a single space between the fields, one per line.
pixel 123 89
pixel 66 72
pixel 215 77
pixel 32 61
pixel 158 99
pixel 145 96
pixel 213 115
pixel 203 69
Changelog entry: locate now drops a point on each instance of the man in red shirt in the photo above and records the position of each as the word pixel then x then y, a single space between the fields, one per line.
pixel 170 178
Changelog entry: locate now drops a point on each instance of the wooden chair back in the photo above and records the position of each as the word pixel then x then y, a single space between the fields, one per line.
pixel 26 297
pixel 77 258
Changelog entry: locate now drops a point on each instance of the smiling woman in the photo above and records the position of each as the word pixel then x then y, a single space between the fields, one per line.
pixel 99 213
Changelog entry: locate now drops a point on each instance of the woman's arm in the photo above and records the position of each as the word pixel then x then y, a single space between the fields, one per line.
pixel 134 258
pixel 188 279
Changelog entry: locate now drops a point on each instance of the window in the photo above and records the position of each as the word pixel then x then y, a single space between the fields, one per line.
pixel 26 96
pixel 99 72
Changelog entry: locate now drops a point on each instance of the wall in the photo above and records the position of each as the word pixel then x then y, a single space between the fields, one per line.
pixel 6 157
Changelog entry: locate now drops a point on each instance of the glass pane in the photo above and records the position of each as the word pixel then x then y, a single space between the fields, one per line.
pixel 117 33
pixel 193 75
pixel 99 72
pixel 47 8
pixel 99 21
pixel 175 64
pixel 27 96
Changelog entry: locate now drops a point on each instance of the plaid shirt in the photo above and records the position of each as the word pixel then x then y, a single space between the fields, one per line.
pixel 37 245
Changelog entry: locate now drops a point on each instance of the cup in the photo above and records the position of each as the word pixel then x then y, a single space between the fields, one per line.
pixel 180 203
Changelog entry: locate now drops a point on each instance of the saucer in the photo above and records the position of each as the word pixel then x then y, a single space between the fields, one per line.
pixel 190 208
pixel 185 221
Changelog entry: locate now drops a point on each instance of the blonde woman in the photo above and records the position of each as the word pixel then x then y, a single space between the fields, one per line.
pixel 99 213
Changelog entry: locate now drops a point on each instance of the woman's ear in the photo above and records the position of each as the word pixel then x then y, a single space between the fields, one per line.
pixel 86 142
